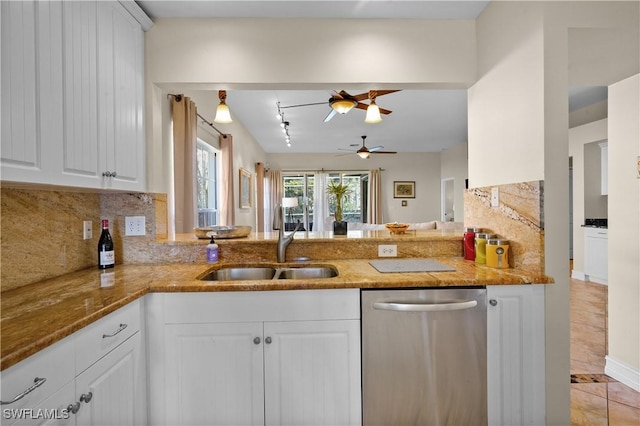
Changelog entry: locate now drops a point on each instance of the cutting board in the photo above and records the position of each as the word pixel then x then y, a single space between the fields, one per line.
pixel 409 265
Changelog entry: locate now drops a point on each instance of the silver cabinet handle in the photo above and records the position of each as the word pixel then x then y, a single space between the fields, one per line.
pixel 37 382
pixel 86 397
pixel 122 327
pixel 73 408
pixel 424 307
pixel 493 302
pixel 109 174
pixel 267 340
pixel 256 340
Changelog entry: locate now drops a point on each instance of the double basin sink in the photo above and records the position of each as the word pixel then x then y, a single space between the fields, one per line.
pixel 251 273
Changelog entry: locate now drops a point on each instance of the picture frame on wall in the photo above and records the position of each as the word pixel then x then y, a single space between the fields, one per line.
pixel 245 189
pixel 404 189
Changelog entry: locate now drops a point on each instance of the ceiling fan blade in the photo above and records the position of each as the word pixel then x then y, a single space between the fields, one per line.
pixel 385 92
pixel 383 152
pixel 376 148
pixel 385 111
pixel 361 96
pixel 330 115
pixel 362 106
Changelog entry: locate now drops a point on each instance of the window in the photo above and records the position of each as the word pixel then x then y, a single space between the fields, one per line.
pixel 301 185
pixel 207 184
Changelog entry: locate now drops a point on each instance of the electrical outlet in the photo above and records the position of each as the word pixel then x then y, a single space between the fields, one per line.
pixel 87 230
pixel 495 197
pixel 134 225
pixel 387 250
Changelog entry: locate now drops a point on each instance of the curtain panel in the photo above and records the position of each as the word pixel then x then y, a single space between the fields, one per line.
pixel 184 116
pixel 374 210
pixel 227 203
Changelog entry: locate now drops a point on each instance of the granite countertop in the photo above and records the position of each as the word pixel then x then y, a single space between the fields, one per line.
pixel 38 315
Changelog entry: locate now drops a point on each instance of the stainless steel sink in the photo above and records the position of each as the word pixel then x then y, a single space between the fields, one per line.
pixel 252 273
pixel 240 273
pixel 307 273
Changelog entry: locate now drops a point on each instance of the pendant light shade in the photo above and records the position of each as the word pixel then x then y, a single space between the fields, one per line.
pixel 373 113
pixel 222 112
pixel 343 106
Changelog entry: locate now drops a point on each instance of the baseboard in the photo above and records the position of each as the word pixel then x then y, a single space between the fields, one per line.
pixel 622 373
pixel 577 275
pixel 598 280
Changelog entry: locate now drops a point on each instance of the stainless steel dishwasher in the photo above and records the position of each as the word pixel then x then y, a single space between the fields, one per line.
pixel 424 357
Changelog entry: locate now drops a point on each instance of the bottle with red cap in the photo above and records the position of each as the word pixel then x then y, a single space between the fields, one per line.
pixel 469 246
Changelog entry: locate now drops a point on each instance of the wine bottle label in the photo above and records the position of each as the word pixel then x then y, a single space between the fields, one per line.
pixel 107 258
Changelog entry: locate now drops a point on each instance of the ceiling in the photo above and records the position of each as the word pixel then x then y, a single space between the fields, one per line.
pixel 421 121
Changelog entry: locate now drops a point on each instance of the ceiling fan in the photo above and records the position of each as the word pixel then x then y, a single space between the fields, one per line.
pixel 342 102
pixel 365 152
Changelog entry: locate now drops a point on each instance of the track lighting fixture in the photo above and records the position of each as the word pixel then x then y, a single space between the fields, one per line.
pixel 222 112
pixel 284 125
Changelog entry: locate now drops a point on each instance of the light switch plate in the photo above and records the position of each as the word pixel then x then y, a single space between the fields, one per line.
pixel 495 197
pixel 87 230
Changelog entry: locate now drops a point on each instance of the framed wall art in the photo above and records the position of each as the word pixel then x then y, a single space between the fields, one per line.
pixel 404 189
pixel 245 189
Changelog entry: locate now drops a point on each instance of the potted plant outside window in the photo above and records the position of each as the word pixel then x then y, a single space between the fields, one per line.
pixel 338 190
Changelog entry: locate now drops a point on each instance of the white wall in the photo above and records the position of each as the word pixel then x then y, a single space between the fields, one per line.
pixel 423 168
pixel 623 361
pixel 578 137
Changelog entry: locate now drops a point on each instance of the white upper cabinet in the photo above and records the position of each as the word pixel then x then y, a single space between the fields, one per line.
pixel 72 83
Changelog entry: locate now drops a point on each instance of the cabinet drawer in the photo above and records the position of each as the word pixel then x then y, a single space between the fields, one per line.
pixel 294 305
pixel 55 364
pixel 96 340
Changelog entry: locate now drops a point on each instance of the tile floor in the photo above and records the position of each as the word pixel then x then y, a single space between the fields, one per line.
pixel 596 399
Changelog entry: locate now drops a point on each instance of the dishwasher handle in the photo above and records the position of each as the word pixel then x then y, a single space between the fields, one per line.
pixel 425 307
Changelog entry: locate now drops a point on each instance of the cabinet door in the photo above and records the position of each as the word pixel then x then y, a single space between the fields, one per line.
pixel 31 90
pixel 214 374
pixel 120 61
pixel 80 153
pixel 111 391
pixel 515 355
pixel 312 373
pixel 596 256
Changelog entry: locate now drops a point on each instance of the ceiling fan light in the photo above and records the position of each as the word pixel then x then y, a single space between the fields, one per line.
pixel 343 106
pixel 373 114
pixel 363 154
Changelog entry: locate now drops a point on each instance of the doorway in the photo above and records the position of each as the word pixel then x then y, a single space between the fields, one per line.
pixel 447 204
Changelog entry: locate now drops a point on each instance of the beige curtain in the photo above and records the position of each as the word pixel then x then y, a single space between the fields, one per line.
pixel 273 195
pixel 374 214
pixel 227 203
pixel 184 118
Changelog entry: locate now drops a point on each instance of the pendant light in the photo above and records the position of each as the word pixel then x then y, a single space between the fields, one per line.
pixel 373 112
pixel 222 112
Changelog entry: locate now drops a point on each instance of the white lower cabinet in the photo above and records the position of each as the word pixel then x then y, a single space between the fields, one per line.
pixel 110 389
pixel 255 358
pixel 516 355
pixel 596 255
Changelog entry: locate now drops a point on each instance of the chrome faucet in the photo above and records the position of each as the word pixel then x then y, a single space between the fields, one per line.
pixel 283 240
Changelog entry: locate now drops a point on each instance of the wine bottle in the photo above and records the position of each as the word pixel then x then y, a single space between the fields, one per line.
pixel 106 255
